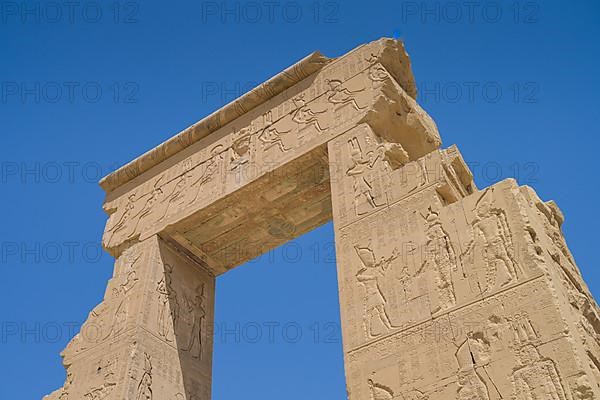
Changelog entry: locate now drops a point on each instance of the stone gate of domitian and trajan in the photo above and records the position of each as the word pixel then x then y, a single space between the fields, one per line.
pixel 446 291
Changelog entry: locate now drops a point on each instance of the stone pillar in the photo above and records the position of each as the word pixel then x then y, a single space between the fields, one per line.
pixel 151 336
pixel 449 292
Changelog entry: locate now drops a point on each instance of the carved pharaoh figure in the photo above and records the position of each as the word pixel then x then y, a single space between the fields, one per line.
pixel 492 236
pixel 369 276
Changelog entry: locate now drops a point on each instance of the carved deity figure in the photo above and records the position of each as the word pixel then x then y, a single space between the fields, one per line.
pixel 168 307
pixel 338 94
pixel 144 391
pixel 369 276
pixel 380 392
pixel 363 189
pixel 195 313
pixel 271 136
pixel 442 260
pixel 536 378
pixel 493 237
pixel 304 115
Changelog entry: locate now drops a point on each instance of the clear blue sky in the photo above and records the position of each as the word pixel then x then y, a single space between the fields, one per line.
pixel 514 84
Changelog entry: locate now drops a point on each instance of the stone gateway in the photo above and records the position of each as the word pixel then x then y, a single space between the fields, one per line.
pixel 446 291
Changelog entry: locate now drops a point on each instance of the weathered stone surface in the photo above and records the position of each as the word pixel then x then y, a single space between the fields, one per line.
pixel 150 336
pixel 446 291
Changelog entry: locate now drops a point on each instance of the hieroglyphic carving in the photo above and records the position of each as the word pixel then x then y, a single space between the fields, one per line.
pixel 369 276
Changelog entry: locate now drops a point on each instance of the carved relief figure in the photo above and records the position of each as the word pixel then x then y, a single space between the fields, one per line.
pixel 195 313
pixel 270 136
pixel 363 189
pixel 208 170
pixel 304 115
pixel 177 194
pixel 380 392
pixel 168 307
pixel 377 73
pixel 148 207
pixel 471 386
pixel 442 260
pixel 338 94
pixel 492 235
pixel 369 275
pixel 536 378
pixel 240 148
pixel 144 390
pixel 125 217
